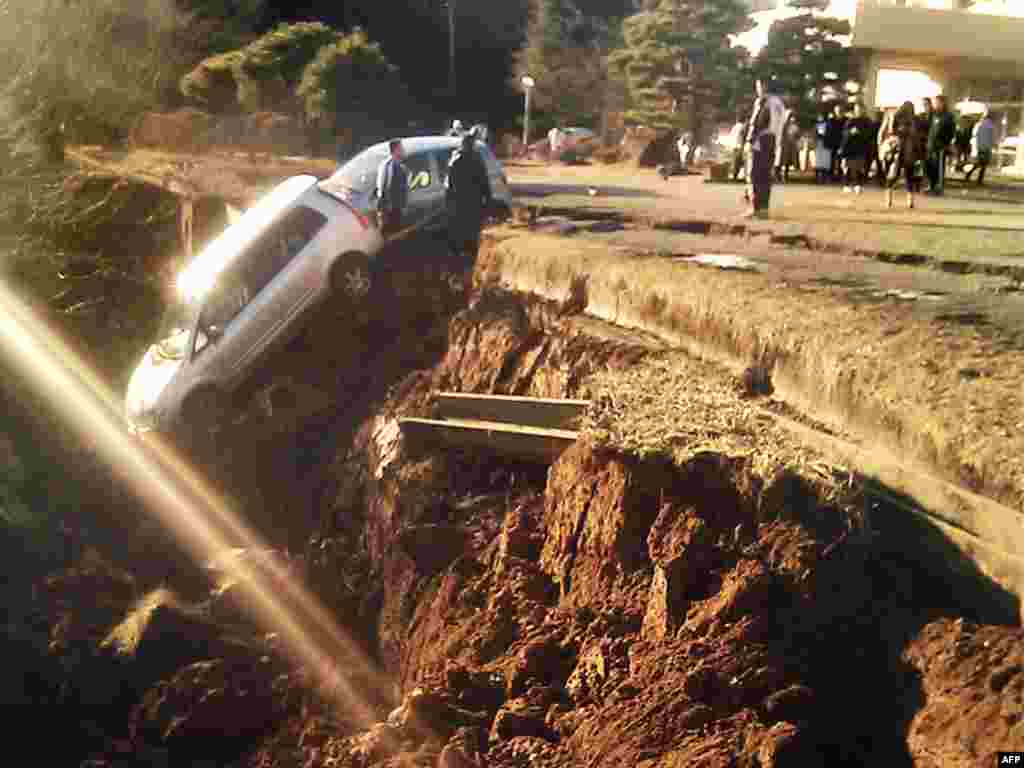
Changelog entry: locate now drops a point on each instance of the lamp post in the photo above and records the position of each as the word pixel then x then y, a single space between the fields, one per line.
pixel 528 83
pixel 451 49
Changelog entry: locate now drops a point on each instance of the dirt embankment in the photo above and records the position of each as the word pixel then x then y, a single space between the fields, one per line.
pixel 609 610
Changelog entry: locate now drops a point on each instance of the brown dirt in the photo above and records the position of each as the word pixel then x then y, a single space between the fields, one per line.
pixel 619 610
pixel 733 602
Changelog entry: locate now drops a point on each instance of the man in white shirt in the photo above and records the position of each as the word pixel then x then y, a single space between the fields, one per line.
pixel 683 146
pixel 555 140
pixel 763 136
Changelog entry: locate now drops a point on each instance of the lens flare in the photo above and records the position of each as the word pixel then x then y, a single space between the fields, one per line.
pixel 199 275
pixel 183 501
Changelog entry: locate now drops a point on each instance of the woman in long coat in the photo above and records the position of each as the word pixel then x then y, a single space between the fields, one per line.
pixel 902 148
pixel 789 149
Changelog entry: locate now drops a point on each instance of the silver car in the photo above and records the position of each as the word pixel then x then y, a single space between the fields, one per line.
pixel 426 158
pixel 245 295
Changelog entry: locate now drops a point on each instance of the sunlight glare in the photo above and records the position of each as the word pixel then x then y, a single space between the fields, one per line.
pixel 187 506
pixel 200 274
pixel 896 86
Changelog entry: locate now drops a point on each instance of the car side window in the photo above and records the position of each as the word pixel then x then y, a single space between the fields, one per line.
pixel 278 246
pixel 227 298
pixel 420 176
pixel 271 253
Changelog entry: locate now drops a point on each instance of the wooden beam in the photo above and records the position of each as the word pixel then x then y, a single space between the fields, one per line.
pixel 547 413
pixel 513 440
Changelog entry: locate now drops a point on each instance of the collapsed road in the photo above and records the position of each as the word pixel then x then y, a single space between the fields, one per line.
pixel 682 583
pixel 688 581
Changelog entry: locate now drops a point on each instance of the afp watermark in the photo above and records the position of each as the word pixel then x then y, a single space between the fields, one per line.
pixel 1011 758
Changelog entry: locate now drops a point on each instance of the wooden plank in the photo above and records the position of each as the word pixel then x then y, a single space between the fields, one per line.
pixel 547 413
pixel 513 440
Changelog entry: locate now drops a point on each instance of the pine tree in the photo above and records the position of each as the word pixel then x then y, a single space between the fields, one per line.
pixel 565 54
pixel 806 54
pixel 681 70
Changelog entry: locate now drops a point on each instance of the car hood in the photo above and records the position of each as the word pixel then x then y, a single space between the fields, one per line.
pixel 150 378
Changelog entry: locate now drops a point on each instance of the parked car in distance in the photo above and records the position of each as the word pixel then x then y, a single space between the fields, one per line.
pixel 244 295
pixel 426 158
pixel 582 141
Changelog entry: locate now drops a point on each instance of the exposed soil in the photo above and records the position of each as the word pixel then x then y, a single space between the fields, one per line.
pixel 936 380
pixel 741 603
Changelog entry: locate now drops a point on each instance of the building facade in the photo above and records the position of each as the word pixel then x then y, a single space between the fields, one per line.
pixel 967 50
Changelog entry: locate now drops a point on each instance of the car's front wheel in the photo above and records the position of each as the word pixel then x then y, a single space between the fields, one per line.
pixel 205 413
pixel 350 277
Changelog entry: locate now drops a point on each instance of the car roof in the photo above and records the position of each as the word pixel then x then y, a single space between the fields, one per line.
pixel 412 145
pixel 199 275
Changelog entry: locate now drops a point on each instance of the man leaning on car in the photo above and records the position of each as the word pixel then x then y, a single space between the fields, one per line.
pixel 392 190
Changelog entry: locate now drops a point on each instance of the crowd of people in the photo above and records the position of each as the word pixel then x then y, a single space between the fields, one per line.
pixel 849 147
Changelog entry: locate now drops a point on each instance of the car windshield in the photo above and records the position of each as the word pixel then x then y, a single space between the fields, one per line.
pixel 360 173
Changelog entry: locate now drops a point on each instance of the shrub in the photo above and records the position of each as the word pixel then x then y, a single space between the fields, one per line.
pixel 273 65
pixel 351 83
pixel 261 76
pixel 214 83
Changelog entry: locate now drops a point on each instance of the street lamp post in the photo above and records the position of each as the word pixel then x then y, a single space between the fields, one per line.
pixel 528 83
pixel 451 48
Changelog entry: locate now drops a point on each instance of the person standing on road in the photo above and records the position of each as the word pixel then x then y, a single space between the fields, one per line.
pixel 392 190
pixel 555 141
pixel 763 136
pixel 467 197
pixel 833 139
pixel 983 139
pixel 822 154
pixel 854 148
pixel 902 150
pixel 683 146
pixel 941 133
pixel 789 151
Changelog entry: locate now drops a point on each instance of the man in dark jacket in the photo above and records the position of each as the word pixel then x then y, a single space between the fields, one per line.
pixel 392 190
pixel 834 138
pixel 467 197
pixel 941 133
pixel 854 148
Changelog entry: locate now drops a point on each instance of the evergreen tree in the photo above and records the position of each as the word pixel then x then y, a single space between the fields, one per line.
pixel 351 85
pixel 807 55
pixel 682 72
pixel 565 54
